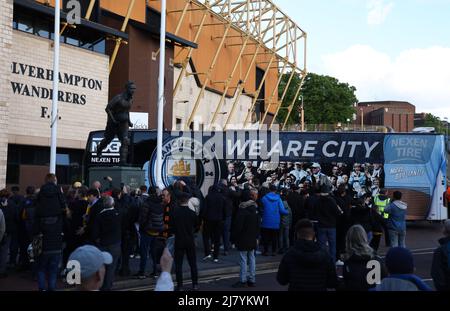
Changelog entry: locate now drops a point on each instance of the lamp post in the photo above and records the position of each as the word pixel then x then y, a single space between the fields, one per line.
pixel 302 114
pixel 362 118
pixel 54 114
pixel 162 56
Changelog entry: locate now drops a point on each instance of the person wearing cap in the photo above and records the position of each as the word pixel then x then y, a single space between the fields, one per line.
pixel 400 265
pixel 317 178
pixel 440 268
pixel 92 263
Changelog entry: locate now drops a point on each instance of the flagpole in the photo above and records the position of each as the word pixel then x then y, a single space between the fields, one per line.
pixel 54 114
pixel 162 58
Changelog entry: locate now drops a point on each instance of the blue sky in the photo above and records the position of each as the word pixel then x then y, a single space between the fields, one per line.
pixel 387 49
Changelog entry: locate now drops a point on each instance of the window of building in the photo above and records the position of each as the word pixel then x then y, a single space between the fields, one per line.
pixel 42 27
pixel 25 23
pixel 178 124
pixel 68 162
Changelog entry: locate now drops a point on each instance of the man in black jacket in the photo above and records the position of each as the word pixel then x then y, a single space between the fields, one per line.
pixel 107 234
pixel 440 268
pixel 307 266
pixel 127 207
pixel 50 208
pixel 296 202
pixel 26 217
pixel 228 197
pixel 15 246
pixel 326 212
pixel 151 224
pixel 184 222
pixel 213 216
pixel 245 233
pixel 95 205
pixel 344 201
pixel 11 218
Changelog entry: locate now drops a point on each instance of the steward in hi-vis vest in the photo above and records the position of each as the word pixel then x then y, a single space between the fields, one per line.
pixel 381 202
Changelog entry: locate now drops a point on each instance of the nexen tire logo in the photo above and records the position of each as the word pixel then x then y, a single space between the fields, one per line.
pixel 112 150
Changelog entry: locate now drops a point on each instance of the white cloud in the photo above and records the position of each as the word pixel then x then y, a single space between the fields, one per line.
pixel 378 11
pixel 419 76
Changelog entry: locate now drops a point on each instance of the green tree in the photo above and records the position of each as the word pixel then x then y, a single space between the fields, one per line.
pixel 326 100
pixel 433 121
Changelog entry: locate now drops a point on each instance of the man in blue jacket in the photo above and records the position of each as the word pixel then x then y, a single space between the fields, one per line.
pixel 397 220
pixel 272 209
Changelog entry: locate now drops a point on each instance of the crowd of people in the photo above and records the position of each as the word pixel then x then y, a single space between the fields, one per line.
pixel 318 217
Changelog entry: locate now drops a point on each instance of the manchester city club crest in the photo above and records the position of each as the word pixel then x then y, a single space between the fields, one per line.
pixel 186 158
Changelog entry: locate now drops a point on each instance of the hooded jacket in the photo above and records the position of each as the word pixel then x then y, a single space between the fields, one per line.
pixel 397 216
pixel 50 201
pixel 215 209
pixel 402 283
pixel 50 204
pixel 107 229
pixel 440 268
pixel 326 211
pixel 184 223
pixel 272 208
pixel 246 226
pixel 307 267
pixel 356 271
pixel 151 216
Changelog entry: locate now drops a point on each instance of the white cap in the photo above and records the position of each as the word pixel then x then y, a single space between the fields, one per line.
pixel 315 165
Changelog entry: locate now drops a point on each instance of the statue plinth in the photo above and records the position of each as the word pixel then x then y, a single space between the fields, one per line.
pixel 131 176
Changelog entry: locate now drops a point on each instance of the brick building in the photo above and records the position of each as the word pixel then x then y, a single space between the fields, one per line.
pixel 394 114
pixel 221 71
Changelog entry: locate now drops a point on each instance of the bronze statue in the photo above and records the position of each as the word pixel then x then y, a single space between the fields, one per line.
pixel 118 111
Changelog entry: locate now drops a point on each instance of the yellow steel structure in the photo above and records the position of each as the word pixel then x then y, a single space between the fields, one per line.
pixel 240 88
pixel 119 41
pixel 258 27
pixel 260 23
pixel 228 83
pixel 208 77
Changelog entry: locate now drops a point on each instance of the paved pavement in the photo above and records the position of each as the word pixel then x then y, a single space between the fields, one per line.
pixel 421 238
